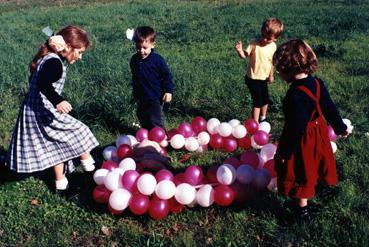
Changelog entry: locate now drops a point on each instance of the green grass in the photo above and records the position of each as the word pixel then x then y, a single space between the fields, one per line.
pixel 196 38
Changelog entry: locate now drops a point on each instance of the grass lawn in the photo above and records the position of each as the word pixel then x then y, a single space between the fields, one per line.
pixel 196 38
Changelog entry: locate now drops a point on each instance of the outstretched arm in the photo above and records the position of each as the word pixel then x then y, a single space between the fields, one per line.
pixel 241 53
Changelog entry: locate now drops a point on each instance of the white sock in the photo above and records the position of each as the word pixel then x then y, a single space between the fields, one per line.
pixel 61 184
pixel 262 118
pixel 88 164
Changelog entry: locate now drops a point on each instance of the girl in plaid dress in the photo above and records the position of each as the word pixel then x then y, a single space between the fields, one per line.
pixel 45 134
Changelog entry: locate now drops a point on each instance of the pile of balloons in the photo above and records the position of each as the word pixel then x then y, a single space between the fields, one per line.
pixel 332 135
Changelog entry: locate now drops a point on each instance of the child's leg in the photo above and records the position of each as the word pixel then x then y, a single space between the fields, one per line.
pixel 87 162
pixel 264 110
pixel 61 182
pixel 256 113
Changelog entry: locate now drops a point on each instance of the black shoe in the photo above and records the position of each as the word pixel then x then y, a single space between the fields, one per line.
pixel 302 214
pixel 264 120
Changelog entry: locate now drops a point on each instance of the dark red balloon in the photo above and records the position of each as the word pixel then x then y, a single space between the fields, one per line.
pixel 157 134
pixel 229 144
pixel 250 158
pixel 261 137
pixel 171 133
pixel 164 174
pixel 139 204
pixel 185 129
pixel 179 178
pixel 211 174
pixel 124 151
pixel 159 209
pixel 244 142
pixel 109 165
pixel 199 124
pixel 251 126
pixel 223 195
pixel 216 141
pixel 269 166
pixel 175 206
pixel 113 211
pixel 101 194
pixel 232 161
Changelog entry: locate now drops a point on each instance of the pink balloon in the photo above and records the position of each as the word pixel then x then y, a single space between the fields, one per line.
pixel 109 165
pixel 164 174
pixel 251 126
pixel 211 174
pixel 216 141
pixel 157 134
pixel 229 144
pixel 159 209
pixel 223 195
pixel 142 134
pixel 199 124
pixel 175 206
pixel 185 129
pixel 101 194
pixel 193 175
pixel 139 204
pixel 250 158
pixel 332 135
pixel 261 137
pixel 232 161
pixel 129 180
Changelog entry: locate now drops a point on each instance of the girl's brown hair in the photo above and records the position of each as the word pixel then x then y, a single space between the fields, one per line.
pixel 295 56
pixel 73 36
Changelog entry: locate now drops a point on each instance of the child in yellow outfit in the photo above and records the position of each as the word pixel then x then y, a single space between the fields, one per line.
pixel 260 69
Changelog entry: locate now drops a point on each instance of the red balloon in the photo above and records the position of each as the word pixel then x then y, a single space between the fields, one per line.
pixel 163 151
pixel 251 126
pixel 223 195
pixel 113 211
pixel 101 194
pixel 142 134
pixel 216 141
pixel 157 134
pixel 109 165
pixel 129 180
pixel 124 151
pixel 175 206
pixel 199 124
pixel 211 174
pixel 244 142
pixel 193 175
pixel 139 204
pixel 229 144
pixel 185 129
pixel 164 174
pixel 159 209
pixel 261 137
pixel 232 161
pixel 179 178
pixel 269 166
pixel 250 158
pixel 171 133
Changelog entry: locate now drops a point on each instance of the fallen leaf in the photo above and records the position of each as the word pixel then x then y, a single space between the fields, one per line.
pixel 106 230
pixel 35 202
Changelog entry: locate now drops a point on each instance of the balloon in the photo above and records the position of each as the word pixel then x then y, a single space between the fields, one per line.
pixel 267 151
pixel 165 189
pixel 107 152
pixel 172 132
pixel 163 152
pixel 265 126
pixel 269 166
pixel 211 174
pixel 239 131
pixel 232 161
pixel 191 144
pixel 212 125
pixel 223 195
pixel 185 129
pixel 146 184
pixel 205 196
pixel 241 191
pixel 272 186
pixel 139 204
pixel 261 137
pixel 113 211
pixel 175 206
pixel 124 151
pixel 250 158
pixel 159 209
pixel 132 139
pixel 99 175
pixel 226 174
pixel 261 178
pixel 142 134
pixel 202 148
pixel 123 139
pixel 203 138
pixel 127 164
pixel 157 134
pixel 109 165
pixel 331 134
pixel 177 141
pixel 216 141
pixel 244 174
pixel 254 145
pixel 224 129
pixel 199 124
pixel 164 174
pixel 119 199
pixel 346 121
pixel 234 122
pixel 185 193
pixel 164 143
pixel 251 126
pixel 244 142
pixel 101 194
pixel 229 144
pixel 193 175
pixel 113 181
pixel 179 178
pixel 129 180
pixel 334 147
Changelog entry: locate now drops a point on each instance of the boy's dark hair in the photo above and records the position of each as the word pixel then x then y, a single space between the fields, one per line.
pixel 144 33
pixel 295 56
pixel 272 28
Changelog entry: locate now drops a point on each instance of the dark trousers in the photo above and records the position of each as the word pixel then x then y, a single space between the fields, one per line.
pixel 150 114
pixel 259 91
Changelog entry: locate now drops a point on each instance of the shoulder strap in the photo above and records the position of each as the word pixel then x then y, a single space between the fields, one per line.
pixel 316 97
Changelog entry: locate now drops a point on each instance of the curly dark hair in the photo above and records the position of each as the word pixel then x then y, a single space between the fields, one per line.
pixel 295 56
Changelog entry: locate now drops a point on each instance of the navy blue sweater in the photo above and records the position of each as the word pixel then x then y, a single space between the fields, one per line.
pixel 151 77
pixel 297 109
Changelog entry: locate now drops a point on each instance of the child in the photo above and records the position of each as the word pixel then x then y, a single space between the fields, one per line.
pixel 260 68
pixel 45 134
pixel 304 155
pixel 152 80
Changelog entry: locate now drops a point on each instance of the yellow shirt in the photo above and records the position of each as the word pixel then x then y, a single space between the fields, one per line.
pixel 260 60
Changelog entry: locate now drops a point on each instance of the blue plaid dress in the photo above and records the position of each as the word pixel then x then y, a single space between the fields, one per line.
pixel 43 137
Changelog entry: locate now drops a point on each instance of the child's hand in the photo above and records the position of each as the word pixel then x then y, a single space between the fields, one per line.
pixel 167 97
pixel 271 79
pixel 238 46
pixel 64 107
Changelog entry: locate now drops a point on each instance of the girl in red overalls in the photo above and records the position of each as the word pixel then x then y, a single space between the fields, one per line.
pixel 304 155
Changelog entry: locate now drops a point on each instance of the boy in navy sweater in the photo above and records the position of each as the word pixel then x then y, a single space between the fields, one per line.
pixel 152 80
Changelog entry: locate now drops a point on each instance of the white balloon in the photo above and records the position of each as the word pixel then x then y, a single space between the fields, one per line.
pixel 226 174
pixel 203 138
pixel 267 151
pixel 239 131
pixel 146 184
pixel 100 175
pixel 185 194
pixel 334 146
pixel 133 140
pixel 234 122
pixel 165 189
pixel 261 178
pixel 164 143
pixel 346 121
pixel 272 186
pixel 119 199
pixel 107 152
pixel 177 141
pixel 127 164
pixel 212 125
pixel 224 129
pixel 191 144
pixel 265 126
pixel 245 174
pixel 205 196
pixel 113 180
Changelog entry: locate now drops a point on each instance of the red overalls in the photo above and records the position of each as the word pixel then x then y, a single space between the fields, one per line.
pixel 314 160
